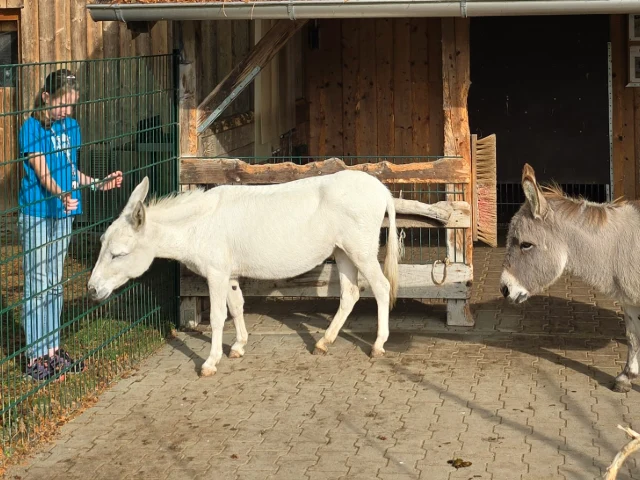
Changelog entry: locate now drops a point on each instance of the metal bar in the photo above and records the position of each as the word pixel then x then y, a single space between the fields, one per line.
pixel 227 101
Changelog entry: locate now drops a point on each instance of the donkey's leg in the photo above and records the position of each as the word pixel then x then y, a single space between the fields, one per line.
pixel 349 295
pixel 632 368
pixel 372 271
pixel 235 303
pixel 218 286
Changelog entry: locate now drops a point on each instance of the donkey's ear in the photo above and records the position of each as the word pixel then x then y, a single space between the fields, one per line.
pixel 138 216
pixel 532 192
pixel 138 195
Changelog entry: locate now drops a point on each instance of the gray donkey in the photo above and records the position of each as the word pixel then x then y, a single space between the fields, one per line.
pixel 599 243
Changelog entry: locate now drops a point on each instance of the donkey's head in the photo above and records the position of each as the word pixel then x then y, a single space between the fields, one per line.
pixel 126 252
pixel 536 254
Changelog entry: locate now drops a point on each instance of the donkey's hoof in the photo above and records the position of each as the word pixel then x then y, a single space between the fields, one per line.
pixel 621 386
pixel 208 371
pixel 376 353
pixel 319 350
pixel 235 354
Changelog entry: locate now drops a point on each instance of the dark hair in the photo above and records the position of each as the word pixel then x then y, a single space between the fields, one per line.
pixel 58 79
pixel 55 85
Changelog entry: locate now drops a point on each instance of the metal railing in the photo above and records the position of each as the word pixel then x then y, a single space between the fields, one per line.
pixel 122 117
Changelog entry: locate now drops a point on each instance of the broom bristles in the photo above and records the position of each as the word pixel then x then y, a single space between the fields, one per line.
pixel 486 185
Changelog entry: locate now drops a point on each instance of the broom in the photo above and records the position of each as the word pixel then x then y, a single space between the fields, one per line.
pixel 483 165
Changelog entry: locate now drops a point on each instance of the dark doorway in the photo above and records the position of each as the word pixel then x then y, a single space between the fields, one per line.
pixel 540 84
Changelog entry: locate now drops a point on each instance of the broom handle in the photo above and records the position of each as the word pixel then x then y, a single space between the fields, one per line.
pixel 473 186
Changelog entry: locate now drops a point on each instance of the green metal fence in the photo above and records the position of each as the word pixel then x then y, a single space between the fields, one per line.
pixel 126 115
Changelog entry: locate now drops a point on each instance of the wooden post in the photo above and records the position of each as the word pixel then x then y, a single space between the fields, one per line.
pixel 624 162
pixel 457 141
pixel 185 36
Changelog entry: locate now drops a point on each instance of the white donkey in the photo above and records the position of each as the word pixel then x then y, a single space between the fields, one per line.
pixel 599 243
pixel 263 232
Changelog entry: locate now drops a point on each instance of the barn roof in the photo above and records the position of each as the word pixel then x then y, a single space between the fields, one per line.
pixel 151 10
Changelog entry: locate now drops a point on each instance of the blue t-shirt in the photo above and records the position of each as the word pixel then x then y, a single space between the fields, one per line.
pixel 59 144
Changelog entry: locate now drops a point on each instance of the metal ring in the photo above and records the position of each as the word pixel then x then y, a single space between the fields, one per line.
pixel 444 275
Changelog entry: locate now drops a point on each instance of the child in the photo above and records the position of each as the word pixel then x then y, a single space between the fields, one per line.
pixel 49 199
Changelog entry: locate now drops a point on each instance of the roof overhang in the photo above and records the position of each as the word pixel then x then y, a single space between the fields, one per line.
pixel 315 9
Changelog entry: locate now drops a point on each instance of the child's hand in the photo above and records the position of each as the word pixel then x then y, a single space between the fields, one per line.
pixel 113 180
pixel 69 203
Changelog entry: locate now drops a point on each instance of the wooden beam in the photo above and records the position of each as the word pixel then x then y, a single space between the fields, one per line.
pixel 188 88
pixel 226 171
pixel 231 122
pixel 624 175
pixel 457 141
pixel 415 282
pixel 242 75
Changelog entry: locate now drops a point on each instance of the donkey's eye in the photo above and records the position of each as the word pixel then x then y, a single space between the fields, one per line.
pixel 118 255
pixel 526 246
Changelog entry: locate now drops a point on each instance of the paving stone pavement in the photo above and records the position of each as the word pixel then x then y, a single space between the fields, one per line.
pixel 523 395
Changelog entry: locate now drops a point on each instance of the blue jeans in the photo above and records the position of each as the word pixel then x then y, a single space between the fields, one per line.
pixel 44 243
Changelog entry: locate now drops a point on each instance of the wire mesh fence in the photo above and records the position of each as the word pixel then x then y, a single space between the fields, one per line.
pixel 77 137
pixel 510 197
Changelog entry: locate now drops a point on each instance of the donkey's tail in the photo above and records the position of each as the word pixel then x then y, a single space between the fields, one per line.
pixel 393 253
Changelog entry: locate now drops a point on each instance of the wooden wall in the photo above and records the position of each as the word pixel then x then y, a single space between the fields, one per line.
pixel 226 43
pixel 374 87
pixel 626 115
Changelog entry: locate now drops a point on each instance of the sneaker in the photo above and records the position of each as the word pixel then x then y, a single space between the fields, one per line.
pixel 62 361
pixel 41 369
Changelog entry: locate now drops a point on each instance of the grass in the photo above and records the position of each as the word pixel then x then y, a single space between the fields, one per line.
pixel 110 338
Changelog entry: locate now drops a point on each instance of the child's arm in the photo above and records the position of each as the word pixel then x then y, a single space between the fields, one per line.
pixel 39 165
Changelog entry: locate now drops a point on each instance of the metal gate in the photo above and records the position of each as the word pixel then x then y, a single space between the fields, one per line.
pixel 127 118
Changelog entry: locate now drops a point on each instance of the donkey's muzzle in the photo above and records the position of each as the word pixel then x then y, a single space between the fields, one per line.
pixel 505 291
pixel 93 293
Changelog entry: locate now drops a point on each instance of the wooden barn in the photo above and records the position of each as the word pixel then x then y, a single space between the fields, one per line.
pixel 390 86
pixel 409 90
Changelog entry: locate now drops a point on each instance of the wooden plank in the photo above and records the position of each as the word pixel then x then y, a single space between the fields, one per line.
pixel 259 56
pixel 636 115
pixel 402 86
pixel 188 90
pixel 415 281
pixel 457 138
pixel 95 48
pixel 10 170
pixel 324 71
pixel 160 39
pixel 240 49
pixel 78 17
pixel 224 55
pixel 226 171
pixel 225 142
pixel 624 184
pixel 385 93
pixel 62 26
pixel 457 135
pixel 30 53
pixel 229 123
pixel 350 95
pixel 111 39
pixel 208 58
pixel 367 107
pixel 420 90
pixel 460 218
pixel 46 26
pixel 436 115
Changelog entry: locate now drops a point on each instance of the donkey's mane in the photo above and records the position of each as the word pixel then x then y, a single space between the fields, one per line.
pixel 579 208
pixel 175 199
